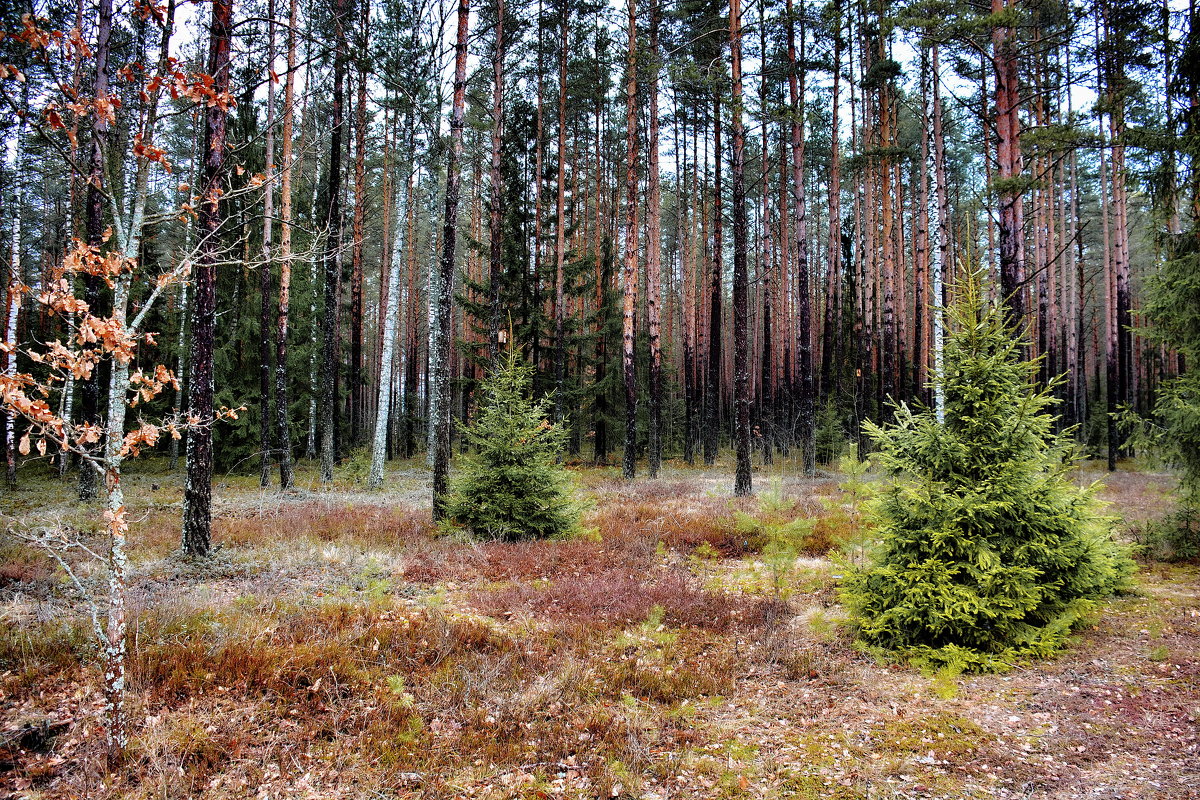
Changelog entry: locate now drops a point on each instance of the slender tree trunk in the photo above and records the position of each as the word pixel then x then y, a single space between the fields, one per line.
pixel 940 222
pixel 1111 374
pixel 921 217
pixel 630 272
pixel 886 204
pixel 197 494
pixel 603 285
pixel 264 269
pixel 654 256
pixel 358 386
pixel 560 227
pixel 1009 168
pixel 686 229
pixel 387 362
pixel 1126 372
pixel 712 383
pixel 94 230
pixel 538 175
pixel 805 399
pixel 765 428
pixel 832 351
pixel 283 416
pixel 408 393
pixel 495 212
pixel 16 288
pixel 333 244
pixel 741 368
pixel 439 360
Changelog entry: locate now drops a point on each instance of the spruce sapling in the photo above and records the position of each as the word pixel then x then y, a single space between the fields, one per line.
pixel 986 551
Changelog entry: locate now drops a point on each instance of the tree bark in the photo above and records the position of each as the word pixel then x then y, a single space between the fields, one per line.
pixel 282 414
pixel 495 215
pixel 16 289
pixel 333 242
pixel 358 386
pixel 741 368
pixel 264 268
pixel 197 494
pixel 832 350
pixel 1009 167
pixel 630 273
pixel 560 227
pixel 89 486
pixel 805 401
pixel 940 223
pixel 390 300
pixel 654 256
pixel 712 381
pixel 439 360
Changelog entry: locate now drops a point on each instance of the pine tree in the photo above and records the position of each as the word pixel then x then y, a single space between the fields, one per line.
pixel 513 488
pixel 987 551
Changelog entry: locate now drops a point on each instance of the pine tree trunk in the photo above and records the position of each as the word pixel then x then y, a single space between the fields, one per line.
pixel 805 401
pixel 560 228
pixel 282 413
pixel 495 212
pixel 358 386
pixel 831 352
pixel 197 494
pixel 654 256
pixel 712 380
pixel 1009 168
pixel 741 368
pixel 539 151
pixel 439 359
pixel 332 257
pixel 920 352
pixel 630 273
pixel 408 389
pixel 264 268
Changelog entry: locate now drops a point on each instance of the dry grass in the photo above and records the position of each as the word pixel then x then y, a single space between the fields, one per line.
pixel 337 648
pixel 293 523
pixel 622 596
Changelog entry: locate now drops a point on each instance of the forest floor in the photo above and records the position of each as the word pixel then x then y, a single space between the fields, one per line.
pixel 336 647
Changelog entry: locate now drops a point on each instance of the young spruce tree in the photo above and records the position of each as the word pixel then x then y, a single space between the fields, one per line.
pixel 513 488
pixel 987 552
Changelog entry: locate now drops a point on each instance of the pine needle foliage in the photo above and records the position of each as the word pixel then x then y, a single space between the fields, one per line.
pixel 987 553
pixel 513 488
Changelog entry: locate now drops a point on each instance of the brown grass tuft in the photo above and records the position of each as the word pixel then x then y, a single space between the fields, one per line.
pixel 314 521
pixel 621 596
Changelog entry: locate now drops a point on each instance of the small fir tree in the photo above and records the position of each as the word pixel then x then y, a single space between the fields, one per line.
pixel 513 487
pixel 987 552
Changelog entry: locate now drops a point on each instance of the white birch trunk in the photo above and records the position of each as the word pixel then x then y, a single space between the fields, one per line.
pixel 387 359
pixel 938 223
pixel 15 290
pixel 435 357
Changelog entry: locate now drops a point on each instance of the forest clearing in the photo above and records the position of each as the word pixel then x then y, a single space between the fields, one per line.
pixel 337 648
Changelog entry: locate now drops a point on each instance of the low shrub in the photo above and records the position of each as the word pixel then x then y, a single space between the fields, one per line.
pixel 619 596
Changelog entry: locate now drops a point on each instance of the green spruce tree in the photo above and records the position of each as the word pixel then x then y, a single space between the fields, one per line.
pixel 987 552
pixel 513 488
